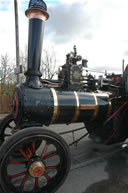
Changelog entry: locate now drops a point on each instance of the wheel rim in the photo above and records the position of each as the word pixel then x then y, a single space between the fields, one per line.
pixel 7 127
pixel 48 163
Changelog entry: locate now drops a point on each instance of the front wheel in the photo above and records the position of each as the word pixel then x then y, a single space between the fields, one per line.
pixel 37 170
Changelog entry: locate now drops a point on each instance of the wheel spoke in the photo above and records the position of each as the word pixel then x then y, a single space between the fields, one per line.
pixel 10 126
pixel 50 155
pixel 46 176
pixel 24 180
pixel 51 167
pixel 17 175
pixel 29 150
pixel 24 155
pixel 7 135
pixel 44 151
pixel 16 162
pixel 36 182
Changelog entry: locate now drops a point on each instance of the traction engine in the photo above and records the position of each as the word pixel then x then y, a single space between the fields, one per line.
pixel 40 158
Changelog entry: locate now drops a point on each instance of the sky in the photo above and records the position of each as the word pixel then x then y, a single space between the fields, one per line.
pixel 99 29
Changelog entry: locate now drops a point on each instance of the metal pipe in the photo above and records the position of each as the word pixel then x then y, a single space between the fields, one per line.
pixel 17 37
pixel 37 14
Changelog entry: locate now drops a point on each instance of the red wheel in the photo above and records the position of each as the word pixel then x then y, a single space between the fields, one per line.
pixel 41 169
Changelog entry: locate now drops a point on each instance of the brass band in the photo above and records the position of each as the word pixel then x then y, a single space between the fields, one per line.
pixel 56 106
pixel 87 107
pixel 77 108
pixel 96 109
pixel 109 108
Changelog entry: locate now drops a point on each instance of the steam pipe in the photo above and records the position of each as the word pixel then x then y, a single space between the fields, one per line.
pixel 37 14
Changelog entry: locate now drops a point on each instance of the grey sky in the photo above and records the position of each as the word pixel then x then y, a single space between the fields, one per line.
pixel 68 22
pixel 98 28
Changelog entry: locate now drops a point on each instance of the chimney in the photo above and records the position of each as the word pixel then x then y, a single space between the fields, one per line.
pixel 37 14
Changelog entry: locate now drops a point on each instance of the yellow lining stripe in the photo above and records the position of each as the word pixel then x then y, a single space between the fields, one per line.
pixel 77 108
pixel 97 107
pixel 56 106
pixel 87 107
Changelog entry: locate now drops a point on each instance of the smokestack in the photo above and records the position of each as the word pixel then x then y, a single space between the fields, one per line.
pixel 37 14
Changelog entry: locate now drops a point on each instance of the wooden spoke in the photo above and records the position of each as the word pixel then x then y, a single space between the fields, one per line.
pixel 17 175
pixel 24 180
pixel 16 162
pixel 44 151
pixel 24 155
pixel 50 155
pixel 46 176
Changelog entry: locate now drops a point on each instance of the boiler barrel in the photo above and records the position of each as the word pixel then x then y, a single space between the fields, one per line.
pixel 75 106
pixel 51 106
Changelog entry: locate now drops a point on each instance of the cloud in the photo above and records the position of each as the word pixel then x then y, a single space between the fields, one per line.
pixel 126 53
pixel 97 27
pixel 7 27
pixel 109 19
pixel 7 32
pixel 68 22
pixel 108 68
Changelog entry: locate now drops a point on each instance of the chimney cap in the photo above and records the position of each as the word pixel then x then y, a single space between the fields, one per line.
pixel 37 4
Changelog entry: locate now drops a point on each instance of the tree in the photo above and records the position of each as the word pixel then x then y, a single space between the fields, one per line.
pixel 24 58
pixel 7 77
pixel 48 63
pixel 7 66
pixel 23 62
pixel 6 69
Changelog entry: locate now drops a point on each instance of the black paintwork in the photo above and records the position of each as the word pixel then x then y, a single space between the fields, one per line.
pixel 33 74
pixel 35 105
pixel 86 99
pixel 103 106
pixel 67 104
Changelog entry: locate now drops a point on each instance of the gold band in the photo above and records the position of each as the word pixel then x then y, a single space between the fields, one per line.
pixel 96 109
pixel 56 106
pixel 87 107
pixel 77 108
pixel 109 108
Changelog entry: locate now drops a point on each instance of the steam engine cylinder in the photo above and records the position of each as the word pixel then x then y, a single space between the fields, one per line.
pixel 50 106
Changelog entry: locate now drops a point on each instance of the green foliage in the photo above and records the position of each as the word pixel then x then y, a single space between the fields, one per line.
pixel 7 89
